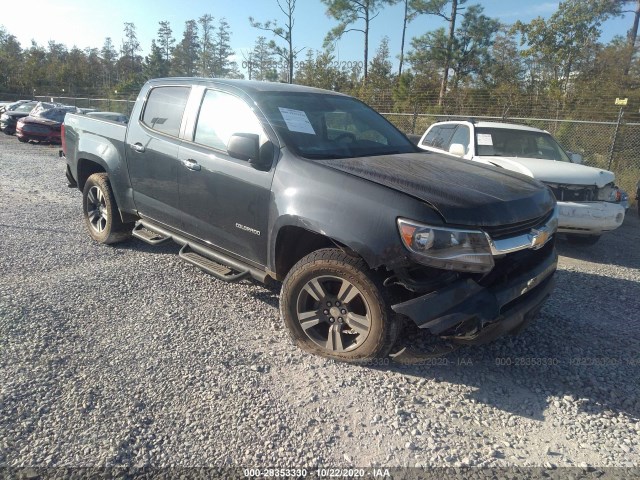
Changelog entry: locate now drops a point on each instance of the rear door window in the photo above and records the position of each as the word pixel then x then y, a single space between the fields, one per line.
pixel 165 108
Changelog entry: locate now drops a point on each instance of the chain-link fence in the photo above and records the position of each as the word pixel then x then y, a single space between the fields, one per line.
pixel 609 145
pixel 118 105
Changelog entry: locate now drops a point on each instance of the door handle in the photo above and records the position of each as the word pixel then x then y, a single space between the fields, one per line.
pixel 191 164
pixel 138 147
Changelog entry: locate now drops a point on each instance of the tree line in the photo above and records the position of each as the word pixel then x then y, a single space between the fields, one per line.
pixel 558 63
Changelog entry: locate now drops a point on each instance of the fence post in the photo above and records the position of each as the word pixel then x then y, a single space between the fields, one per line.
pixel 615 137
pixel 415 119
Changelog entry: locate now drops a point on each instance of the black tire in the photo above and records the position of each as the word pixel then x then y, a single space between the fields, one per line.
pixel 348 317
pixel 583 239
pixel 22 140
pixel 101 215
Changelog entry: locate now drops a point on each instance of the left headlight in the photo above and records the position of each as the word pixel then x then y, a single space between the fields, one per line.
pixel 449 248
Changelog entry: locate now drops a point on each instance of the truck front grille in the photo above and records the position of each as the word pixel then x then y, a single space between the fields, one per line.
pixel 513 229
pixel 572 193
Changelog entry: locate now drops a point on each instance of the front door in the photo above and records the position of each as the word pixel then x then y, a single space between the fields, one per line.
pixel 224 201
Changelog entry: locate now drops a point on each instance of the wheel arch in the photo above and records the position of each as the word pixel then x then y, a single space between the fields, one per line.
pixel 294 242
pixel 89 166
pixel 102 221
pixel 86 168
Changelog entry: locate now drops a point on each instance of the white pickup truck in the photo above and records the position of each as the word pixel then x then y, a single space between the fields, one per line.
pixel 589 203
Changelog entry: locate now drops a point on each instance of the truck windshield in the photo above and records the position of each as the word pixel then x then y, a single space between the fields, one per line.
pixel 505 142
pixel 331 126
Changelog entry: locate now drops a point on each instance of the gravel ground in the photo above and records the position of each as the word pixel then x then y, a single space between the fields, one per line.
pixel 128 356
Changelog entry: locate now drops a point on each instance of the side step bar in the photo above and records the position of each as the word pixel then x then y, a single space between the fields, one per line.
pixel 214 262
pixel 148 236
pixel 213 268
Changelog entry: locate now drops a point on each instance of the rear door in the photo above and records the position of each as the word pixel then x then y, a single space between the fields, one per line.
pixel 224 201
pixel 152 147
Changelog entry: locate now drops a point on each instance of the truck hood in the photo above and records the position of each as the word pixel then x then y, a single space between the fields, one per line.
pixel 462 192
pixel 551 171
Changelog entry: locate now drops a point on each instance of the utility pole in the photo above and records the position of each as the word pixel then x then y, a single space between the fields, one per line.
pixel 622 102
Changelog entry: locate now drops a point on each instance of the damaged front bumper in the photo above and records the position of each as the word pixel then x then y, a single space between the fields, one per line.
pixel 589 218
pixel 466 312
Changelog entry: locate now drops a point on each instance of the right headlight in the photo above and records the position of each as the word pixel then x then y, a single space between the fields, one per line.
pixel 448 248
pixel 4 116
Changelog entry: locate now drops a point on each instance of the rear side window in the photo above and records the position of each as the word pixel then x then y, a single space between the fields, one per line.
pixel 164 109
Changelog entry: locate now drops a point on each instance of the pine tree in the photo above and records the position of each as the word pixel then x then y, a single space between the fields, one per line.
pixel 263 61
pixel 165 40
pixel 155 66
pixel 185 56
pixel 207 47
pixel 350 12
pixel 222 50
pixel 109 57
pixel 287 53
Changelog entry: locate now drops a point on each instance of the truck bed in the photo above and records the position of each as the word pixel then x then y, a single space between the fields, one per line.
pixel 100 142
pixel 93 129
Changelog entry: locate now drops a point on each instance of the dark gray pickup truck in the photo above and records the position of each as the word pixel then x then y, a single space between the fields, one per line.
pixel 316 190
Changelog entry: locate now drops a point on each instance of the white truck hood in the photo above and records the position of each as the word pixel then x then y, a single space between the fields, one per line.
pixel 551 171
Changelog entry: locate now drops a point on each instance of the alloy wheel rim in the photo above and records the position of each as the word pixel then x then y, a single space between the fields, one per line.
pixel 333 313
pixel 97 209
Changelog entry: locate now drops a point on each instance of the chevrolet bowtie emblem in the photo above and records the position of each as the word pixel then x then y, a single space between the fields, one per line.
pixel 538 238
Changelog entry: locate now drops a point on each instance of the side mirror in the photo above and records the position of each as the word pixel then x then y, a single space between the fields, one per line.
pixel 457 149
pixel 576 158
pixel 246 146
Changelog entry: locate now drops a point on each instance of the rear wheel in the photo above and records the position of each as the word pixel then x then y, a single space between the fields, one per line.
pixel 333 306
pixel 22 139
pixel 583 239
pixel 101 214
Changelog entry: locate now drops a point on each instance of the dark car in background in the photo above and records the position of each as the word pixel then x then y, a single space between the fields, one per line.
pixel 43 125
pixel 9 119
pixel 9 106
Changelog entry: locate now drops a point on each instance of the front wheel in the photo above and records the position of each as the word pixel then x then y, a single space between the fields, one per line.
pixel 583 239
pixel 101 215
pixel 22 140
pixel 333 306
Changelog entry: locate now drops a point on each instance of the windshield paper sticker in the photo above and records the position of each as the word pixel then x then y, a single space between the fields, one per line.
pixel 484 139
pixel 296 120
